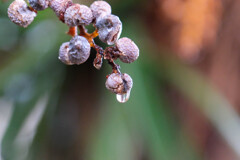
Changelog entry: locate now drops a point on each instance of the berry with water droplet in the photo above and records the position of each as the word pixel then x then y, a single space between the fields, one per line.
pixel 100 9
pixel 129 51
pixel 39 4
pixel 79 50
pixel 119 83
pixel 109 29
pixel 78 15
pixel 20 14
pixel 64 54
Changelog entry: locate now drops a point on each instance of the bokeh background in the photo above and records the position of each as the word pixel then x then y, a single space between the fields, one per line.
pixel 185 101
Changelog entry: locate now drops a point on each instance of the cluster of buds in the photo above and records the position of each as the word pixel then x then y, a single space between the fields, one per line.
pixel 108 28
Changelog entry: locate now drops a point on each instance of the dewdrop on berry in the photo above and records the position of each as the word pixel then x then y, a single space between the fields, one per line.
pixel 109 29
pixel 121 85
pixel 129 51
pixel 20 14
pixel 122 98
pixel 59 6
pixel 78 15
pixel 39 4
pixel 64 54
pixel 100 9
pixel 79 50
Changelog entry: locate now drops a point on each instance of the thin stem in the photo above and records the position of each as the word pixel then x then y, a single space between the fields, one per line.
pixel 88 36
pixel 72 31
pixel 32 9
pixel 82 30
pixel 109 53
pixel 94 34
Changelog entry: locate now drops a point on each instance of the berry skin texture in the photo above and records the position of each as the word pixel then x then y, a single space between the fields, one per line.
pixel 129 51
pixel 39 4
pixel 100 9
pixel 20 14
pixel 59 6
pixel 78 15
pixel 64 54
pixel 79 50
pixel 109 29
pixel 119 83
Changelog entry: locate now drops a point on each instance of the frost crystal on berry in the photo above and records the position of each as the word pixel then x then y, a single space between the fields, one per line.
pixel 100 9
pixel 79 50
pixel 109 28
pixel 39 4
pixel 78 15
pixel 20 14
pixel 129 50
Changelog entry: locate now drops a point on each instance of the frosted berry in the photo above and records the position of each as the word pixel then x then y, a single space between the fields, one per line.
pixel 109 29
pixel 78 15
pixel 20 14
pixel 79 50
pixel 129 51
pixel 64 53
pixel 100 9
pixel 39 4
pixel 119 83
pixel 60 6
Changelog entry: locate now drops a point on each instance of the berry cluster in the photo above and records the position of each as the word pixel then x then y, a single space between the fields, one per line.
pixel 108 28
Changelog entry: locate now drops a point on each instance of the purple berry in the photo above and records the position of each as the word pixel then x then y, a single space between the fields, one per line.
pixel 100 9
pixel 20 14
pixel 109 29
pixel 129 51
pixel 60 6
pixel 79 50
pixel 78 15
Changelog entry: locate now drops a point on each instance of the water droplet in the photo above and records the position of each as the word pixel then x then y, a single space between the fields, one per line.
pixel 122 98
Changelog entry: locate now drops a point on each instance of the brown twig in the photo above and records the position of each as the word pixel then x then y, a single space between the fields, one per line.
pixel 72 31
pixel 109 54
pixel 31 9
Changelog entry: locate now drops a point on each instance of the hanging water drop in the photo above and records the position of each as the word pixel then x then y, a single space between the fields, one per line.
pixel 122 98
